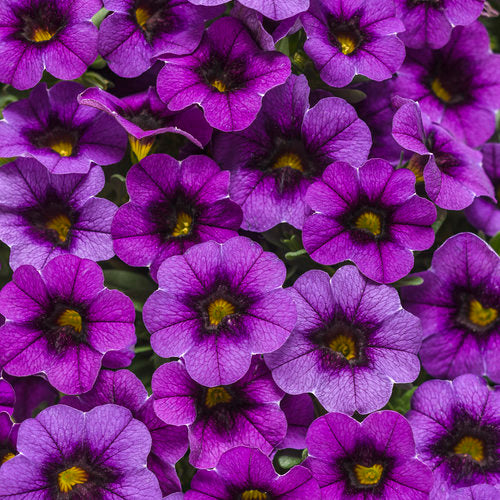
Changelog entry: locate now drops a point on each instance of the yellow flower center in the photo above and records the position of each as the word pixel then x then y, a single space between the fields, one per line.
pixel 344 345
pixel 61 225
pixel 71 477
pixel 63 146
pixel 253 495
pixel 368 475
pixel 480 315
pixel 347 43
pixel 182 228
pixel 41 35
pixel 71 318
pixel 220 86
pixel 370 222
pixel 439 91
pixel 141 147
pixel 415 165
pixel 217 395
pixel 290 160
pixel 142 15
pixel 470 446
pixel 218 310
pixel 7 457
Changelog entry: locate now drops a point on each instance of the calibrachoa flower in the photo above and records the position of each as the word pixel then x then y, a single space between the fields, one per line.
pixel 274 9
pixel 451 170
pixel 245 413
pixel 46 34
pixel 352 341
pixel 285 149
pixel 458 86
pixel 457 432
pixel 7 397
pixel 350 37
pixel 370 460
pixel 144 116
pixel 484 214
pixel 370 216
pixel 65 453
pixel 429 23
pixel 137 31
pixel 459 306
pixel 169 443
pixel 216 306
pixel 174 205
pixel 53 128
pixel 43 215
pixel 476 492
pixel 227 76
pixel 299 413
pixel 61 322
pixel 248 474
pixel 8 437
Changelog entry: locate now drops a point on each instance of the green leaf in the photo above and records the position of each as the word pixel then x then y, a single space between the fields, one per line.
pixel 409 281
pixel 401 401
pixel 289 461
pixel 295 255
pixel 495 243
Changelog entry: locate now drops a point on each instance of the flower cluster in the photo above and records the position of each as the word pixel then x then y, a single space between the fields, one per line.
pixel 249 249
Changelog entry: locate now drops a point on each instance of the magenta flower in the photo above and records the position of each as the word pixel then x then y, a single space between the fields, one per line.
pixel 61 322
pixel 245 413
pixel 370 216
pixel 227 76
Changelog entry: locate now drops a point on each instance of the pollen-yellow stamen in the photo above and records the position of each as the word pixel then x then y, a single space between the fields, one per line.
pixel 439 91
pixel 347 43
pixel 41 35
pixel 63 147
pixel 141 147
pixel 71 477
pixel 218 310
pixel 61 225
pixel 415 165
pixel 368 475
pixel 7 457
pixel 370 222
pixel 219 85
pixel 290 160
pixel 480 315
pixel 71 318
pixel 253 495
pixel 344 345
pixel 183 227
pixel 142 15
pixel 217 395
pixel 470 446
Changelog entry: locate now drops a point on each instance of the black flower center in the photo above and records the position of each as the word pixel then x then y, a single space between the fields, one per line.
pixel 222 75
pixel 175 218
pixel 477 311
pixel 253 495
pixel 40 21
pixel 367 223
pixel 155 17
pixel 434 4
pixel 346 34
pixel 450 81
pixel 58 138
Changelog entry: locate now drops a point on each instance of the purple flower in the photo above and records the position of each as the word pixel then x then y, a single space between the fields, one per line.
pixel 299 412
pixel 350 37
pixel 457 433
pixel 56 35
pixel 484 214
pixel 8 437
pixel 53 128
pixel 138 31
pixel 64 453
pixel 144 116
pixel 216 306
pixel 227 76
pixel 370 216
pixel 451 170
pixel 7 397
pixel 245 413
pixel 347 348
pixel 169 443
pixel 174 205
pixel 43 215
pixel 458 86
pixel 429 23
pixel 459 306
pixel 274 9
pixel 248 474
pixel 476 492
pixel 61 322
pixel 368 460
pixel 285 149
